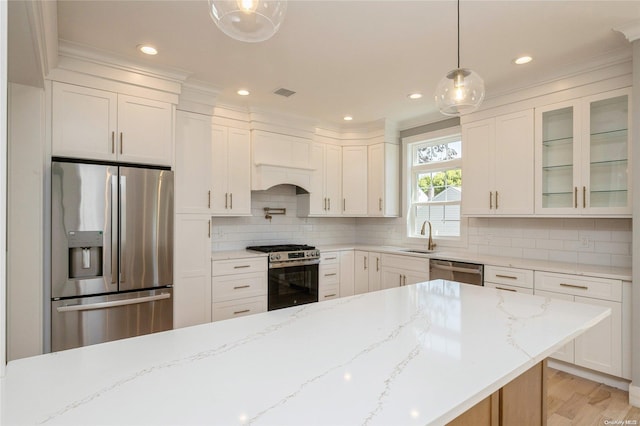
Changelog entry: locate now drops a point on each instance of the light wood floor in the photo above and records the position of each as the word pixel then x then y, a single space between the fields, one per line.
pixel 576 401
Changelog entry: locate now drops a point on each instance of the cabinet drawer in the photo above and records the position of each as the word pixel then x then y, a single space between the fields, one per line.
pixel 509 276
pixel 330 257
pixel 596 288
pixel 239 286
pixel 406 262
pixel 239 308
pixel 328 292
pixel 238 266
pixel 508 287
pixel 329 274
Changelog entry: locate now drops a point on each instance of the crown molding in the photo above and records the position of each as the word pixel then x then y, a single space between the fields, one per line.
pixel 198 97
pixel 43 24
pixel 81 59
pixel 631 30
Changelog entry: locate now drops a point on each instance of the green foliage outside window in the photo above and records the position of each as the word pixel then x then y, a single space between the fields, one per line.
pixel 440 181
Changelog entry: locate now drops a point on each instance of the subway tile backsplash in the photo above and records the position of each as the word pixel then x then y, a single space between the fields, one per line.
pixel 580 240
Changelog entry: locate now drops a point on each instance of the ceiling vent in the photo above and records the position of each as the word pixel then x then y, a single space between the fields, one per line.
pixel 284 92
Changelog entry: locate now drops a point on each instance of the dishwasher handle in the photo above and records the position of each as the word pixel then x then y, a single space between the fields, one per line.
pixel 456 269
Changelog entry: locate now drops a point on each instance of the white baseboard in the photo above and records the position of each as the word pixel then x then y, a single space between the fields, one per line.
pixel 634 395
pixel 616 382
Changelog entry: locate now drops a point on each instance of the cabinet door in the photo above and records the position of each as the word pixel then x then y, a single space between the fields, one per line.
pixel 600 347
pixel 317 196
pixel 347 284
pixel 513 164
pixel 565 353
pixel 145 131
pixel 354 180
pixel 83 122
pixel 606 152
pixel 192 276
pixel 333 179
pixel 361 272
pixel 376 183
pixel 193 163
pixel 375 273
pixel 391 278
pixel 557 146
pixel 411 277
pixel 239 168
pixel 219 170
pixel 477 166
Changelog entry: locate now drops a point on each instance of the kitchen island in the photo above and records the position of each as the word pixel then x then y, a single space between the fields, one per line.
pixel 420 354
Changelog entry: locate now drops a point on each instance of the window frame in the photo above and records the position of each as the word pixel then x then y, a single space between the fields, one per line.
pixel 409 174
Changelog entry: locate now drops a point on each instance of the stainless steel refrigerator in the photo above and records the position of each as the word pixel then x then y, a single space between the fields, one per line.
pixel 111 252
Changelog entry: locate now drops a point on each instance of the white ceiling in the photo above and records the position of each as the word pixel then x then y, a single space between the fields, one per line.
pixel 359 57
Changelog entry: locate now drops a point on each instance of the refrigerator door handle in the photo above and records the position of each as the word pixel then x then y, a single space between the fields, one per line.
pixel 104 305
pixel 113 226
pixel 122 209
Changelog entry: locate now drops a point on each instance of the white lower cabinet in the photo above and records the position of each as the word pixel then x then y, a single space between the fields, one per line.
pixel 335 275
pixel 239 287
pixel 599 348
pixel 509 279
pixel 192 274
pixel 368 271
pixel 329 276
pixel 398 270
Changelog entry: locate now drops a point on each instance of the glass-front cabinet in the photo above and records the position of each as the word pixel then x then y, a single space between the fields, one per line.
pixel 582 156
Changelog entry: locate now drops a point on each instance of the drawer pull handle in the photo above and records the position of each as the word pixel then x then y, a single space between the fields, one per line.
pixel 242 312
pixel 330 295
pixel 330 275
pixel 506 276
pixel 241 286
pixel 330 258
pixel 242 266
pixel 581 287
pixel 507 289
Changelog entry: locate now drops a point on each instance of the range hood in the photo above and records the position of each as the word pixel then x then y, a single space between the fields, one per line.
pixel 280 160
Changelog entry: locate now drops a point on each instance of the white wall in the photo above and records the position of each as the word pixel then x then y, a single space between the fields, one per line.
pixel 234 233
pixel 3 191
pixel 25 222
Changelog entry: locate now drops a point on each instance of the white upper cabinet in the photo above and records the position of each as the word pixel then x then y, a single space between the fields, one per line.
pixel 96 124
pixel 498 159
pixel 354 180
pixel 145 129
pixel 231 171
pixel 193 169
pixel 583 156
pixel 325 191
pixel 84 122
pixel 383 180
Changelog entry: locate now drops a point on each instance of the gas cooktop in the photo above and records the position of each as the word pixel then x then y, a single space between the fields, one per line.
pixel 281 248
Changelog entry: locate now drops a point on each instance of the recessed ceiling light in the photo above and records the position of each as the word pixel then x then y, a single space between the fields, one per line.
pixel 523 60
pixel 243 92
pixel 414 96
pixel 348 118
pixel 147 50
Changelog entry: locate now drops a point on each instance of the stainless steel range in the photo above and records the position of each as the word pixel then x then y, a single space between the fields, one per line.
pixel 293 274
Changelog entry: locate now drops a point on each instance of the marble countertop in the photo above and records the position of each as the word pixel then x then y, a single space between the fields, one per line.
pixel 236 254
pixel 418 354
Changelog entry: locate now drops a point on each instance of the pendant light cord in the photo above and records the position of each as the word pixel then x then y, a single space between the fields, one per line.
pixel 458 34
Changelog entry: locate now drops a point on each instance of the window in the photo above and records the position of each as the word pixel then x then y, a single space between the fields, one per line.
pixel 435 185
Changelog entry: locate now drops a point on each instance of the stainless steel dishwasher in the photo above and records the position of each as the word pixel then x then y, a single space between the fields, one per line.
pixel 468 273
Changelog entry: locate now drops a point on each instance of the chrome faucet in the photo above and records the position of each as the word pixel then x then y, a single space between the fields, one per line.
pixel 430 244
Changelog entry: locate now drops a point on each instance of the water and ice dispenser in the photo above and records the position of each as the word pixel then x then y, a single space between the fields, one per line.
pixel 85 254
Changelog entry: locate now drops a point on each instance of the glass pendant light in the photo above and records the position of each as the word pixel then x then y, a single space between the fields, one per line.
pixel 248 20
pixel 460 91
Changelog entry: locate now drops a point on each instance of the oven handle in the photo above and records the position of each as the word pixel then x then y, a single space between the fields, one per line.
pixel 287 264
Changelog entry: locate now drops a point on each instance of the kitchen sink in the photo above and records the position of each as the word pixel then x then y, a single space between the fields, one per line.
pixel 418 251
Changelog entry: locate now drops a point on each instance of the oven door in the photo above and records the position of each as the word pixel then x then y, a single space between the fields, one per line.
pixel 292 285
